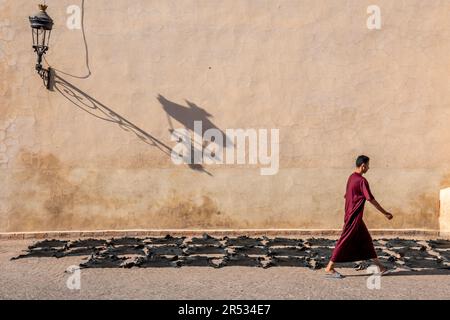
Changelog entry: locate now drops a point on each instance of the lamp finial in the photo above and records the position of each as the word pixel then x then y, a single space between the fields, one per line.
pixel 43 7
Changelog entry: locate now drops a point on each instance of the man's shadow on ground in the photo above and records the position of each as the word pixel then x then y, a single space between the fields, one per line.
pixel 405 272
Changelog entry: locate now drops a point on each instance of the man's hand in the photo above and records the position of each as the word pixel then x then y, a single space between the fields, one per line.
pixel 375 203
pixel 388 216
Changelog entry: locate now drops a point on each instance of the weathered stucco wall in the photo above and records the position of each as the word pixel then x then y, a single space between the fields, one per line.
pixel 72 158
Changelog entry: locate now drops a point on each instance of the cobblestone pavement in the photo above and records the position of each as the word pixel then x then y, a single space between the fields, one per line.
pixel 45 278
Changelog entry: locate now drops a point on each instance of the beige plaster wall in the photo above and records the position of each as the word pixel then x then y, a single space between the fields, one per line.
pixel 72 159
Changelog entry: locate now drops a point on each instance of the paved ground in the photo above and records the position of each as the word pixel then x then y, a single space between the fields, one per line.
pixel 45 278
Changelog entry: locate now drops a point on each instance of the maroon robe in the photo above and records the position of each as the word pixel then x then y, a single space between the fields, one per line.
pixel 355 243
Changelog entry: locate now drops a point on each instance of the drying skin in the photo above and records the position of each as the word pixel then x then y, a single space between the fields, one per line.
pixel 201 261
pixel 104 261
pixel 242 260
pixel 171 252
pixel 205 250
pixel 399 243
pixel 126 241
pixel 288 262
pixel 126 250
pixel 206 239
pixel 167 240
pixel 77 252
pixel 439 244
pixel 243 241
pixel 86 243
pixel 387 257
pixel 260 251
pixel 418 258
pixel 154 261
pixel 444 255
pixel 38 253
pixel 283 242
pixel 49 244
pixel 320 242
pixel 289 251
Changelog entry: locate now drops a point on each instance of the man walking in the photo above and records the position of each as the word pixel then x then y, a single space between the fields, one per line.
pixel 355 243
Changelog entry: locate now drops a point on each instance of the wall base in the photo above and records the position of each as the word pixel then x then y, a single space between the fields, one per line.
pixel 298 233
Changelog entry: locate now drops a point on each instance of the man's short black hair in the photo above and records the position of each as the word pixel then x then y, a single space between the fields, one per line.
pixel 362 160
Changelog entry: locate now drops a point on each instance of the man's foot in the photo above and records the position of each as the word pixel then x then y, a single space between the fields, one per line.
pixel 385 271
pixel 333 274
pixel 382 269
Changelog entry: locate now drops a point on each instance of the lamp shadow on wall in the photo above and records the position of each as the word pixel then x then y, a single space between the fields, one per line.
pixel 97 109
pixel 186 116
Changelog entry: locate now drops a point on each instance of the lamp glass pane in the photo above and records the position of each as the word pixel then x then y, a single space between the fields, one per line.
pixel 41 38
pixel 33 35
pixel 49 32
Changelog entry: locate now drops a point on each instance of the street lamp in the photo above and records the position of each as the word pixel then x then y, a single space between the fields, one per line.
pixel 41 28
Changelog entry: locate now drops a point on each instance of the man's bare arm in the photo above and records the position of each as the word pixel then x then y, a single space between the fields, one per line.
pixel 375 203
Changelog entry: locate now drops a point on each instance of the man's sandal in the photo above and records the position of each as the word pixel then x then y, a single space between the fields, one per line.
pixel 385 272
pixel 334 275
